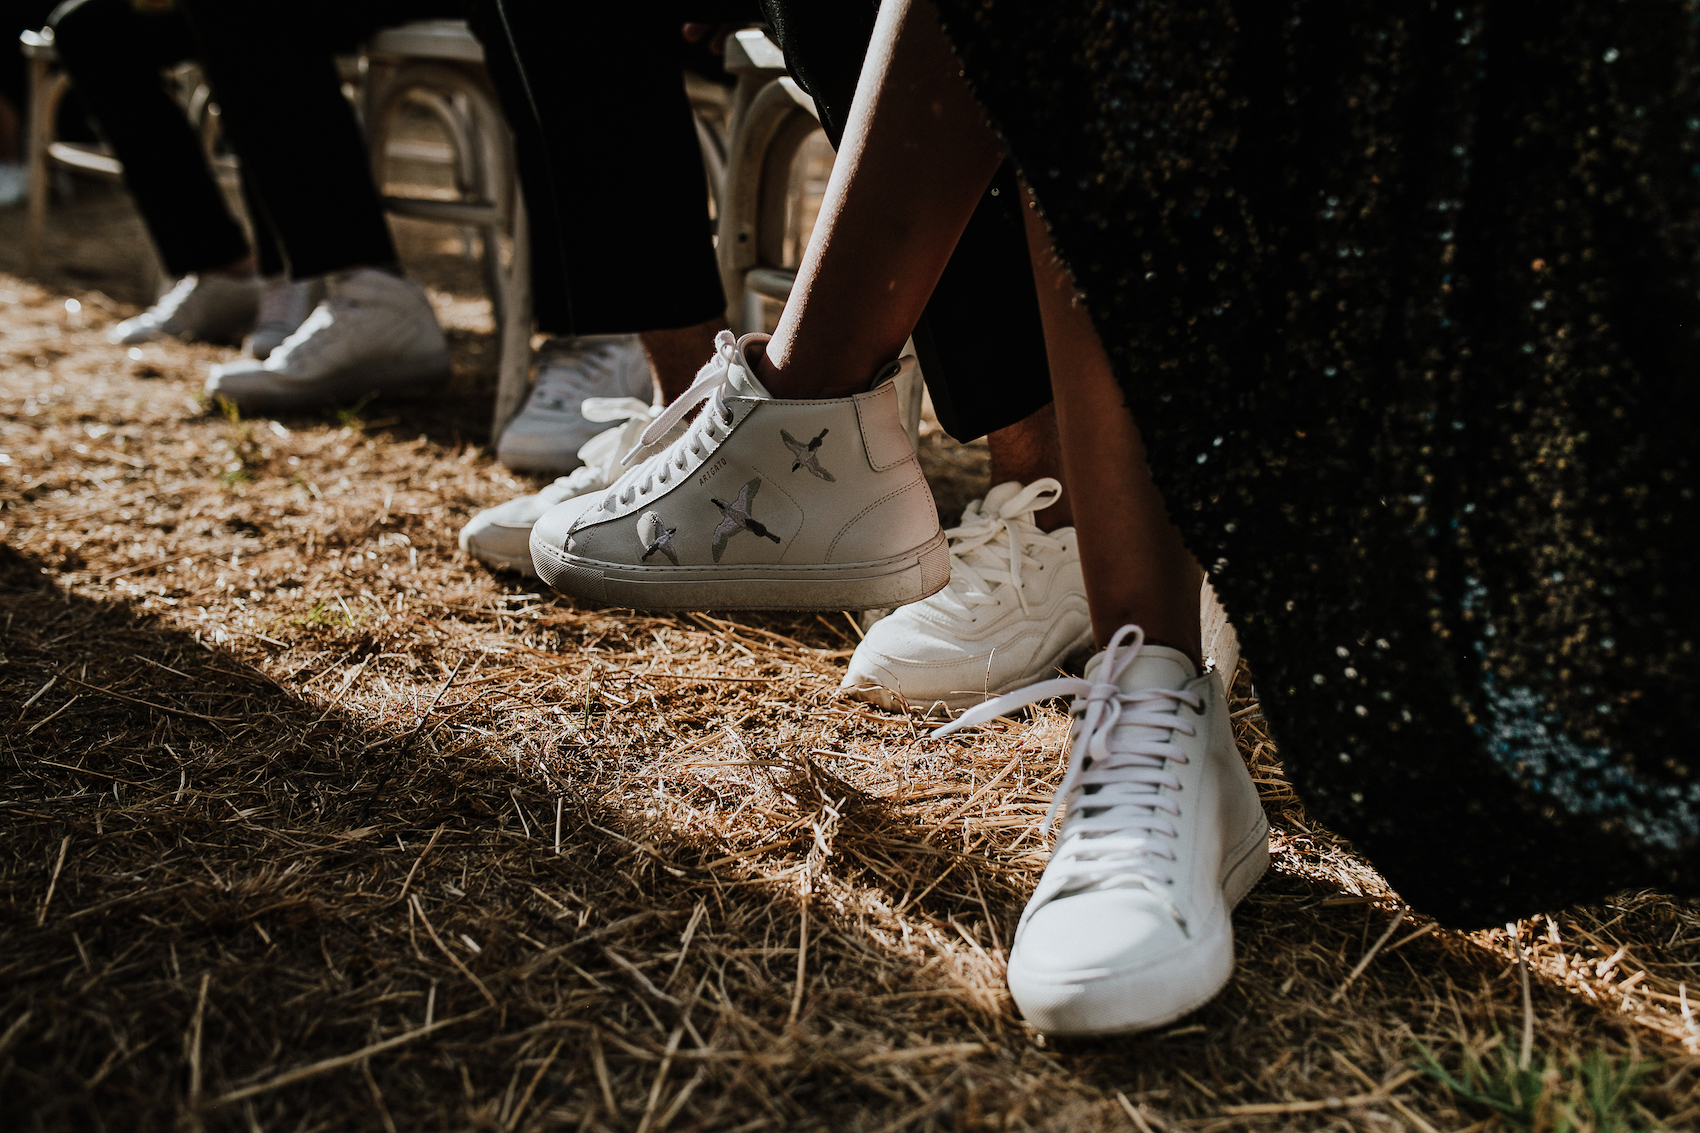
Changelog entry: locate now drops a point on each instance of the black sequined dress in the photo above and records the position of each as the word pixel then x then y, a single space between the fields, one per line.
pixel 1405 299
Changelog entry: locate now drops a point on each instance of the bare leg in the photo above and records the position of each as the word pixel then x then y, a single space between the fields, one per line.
pixel 920 154
pixel 1136 567
pixel 1027 451
pixel 675 355
pixel 242 268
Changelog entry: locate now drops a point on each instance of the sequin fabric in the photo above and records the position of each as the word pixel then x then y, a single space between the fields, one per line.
pixel 1404 299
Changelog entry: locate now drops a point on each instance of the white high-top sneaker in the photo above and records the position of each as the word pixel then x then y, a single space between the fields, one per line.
pixel 284 306
pixel 1014 610
pixel 761 504
pixel 374 332
pixel 212 308
pixel 1162 835
pixel 501 536
pixel 546 435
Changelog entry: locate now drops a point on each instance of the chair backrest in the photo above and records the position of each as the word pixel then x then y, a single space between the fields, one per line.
pixel 37 44
pixel 430 39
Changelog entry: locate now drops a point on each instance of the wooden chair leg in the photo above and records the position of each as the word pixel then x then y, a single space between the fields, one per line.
pixel 46 91
pixel 514 370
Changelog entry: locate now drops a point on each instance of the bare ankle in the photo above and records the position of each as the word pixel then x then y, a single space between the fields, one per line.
pixel 243 268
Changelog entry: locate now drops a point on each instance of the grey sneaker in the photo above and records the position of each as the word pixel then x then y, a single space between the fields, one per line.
pixel 546 435
pixel 284 306
pixel 501 536
pixel 212 308
pixel 373 333
pixel 760 504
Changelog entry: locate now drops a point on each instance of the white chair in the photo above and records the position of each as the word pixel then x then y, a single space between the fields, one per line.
pixel 438 65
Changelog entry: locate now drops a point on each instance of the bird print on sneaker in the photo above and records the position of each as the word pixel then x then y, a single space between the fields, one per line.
pixel 808 455
pixel 657 536
pixel 736 517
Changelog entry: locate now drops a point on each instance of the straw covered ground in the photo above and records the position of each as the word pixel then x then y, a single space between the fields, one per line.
pixel 309 823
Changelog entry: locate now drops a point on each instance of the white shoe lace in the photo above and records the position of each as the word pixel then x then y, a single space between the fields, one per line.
pixel 988 550
pixel 711 424
pixel 601 454
pixel 1114 823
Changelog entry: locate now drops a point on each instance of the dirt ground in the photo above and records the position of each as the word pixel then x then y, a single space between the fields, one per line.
pixel 310 823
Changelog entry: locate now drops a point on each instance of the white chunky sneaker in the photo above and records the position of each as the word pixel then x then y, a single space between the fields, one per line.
pixel 1162 835
pixel 374 332
pixel 284 306
pixel 212 307
pixel 1014 610
pixel 761 504
pixel 501 536
pixel 546 435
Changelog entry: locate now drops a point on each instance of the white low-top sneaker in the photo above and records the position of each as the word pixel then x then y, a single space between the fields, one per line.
pixel 1014 610
pixel 501 535
pixel 1162 835
pixel 374 332
pixel 760 504
pixel 284 306
pixel 546 435
pixel 212 308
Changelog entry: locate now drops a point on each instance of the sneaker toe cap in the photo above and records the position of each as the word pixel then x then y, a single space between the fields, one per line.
pixel 133 331
pixel 1091 934
pixel 499 539
pixel 243 378
pixel 552 527
pixel 526 448
pixel 925 664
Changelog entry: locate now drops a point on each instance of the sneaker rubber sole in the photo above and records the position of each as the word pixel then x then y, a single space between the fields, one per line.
pixel 497 559
pixel 1122 1003
pixel 897 581
pixel 404 377
pixel 872 692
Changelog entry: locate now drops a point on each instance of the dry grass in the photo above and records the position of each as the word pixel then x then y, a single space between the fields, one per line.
pixel 309 823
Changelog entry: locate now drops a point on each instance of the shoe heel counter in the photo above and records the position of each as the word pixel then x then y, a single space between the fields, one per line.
pixel 900 519
pixel 1241 806
pixel 883 436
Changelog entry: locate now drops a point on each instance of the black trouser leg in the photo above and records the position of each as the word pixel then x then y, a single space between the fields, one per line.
pixel 115 55
pixel 268 255
pixel 980 342
pixel 614 177
pixel 272 72
pixel 551 298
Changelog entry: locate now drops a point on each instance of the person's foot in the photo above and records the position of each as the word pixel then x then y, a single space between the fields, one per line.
pixel 1015 609
pixel 284 306
pixel 501 536
pixel 211 307
pixel 1162 835
pixel 546 435
pixel 761 504
pixel 374 332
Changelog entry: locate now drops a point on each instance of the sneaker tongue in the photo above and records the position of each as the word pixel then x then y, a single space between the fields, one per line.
pixel 742 373
pixel 1158 666
pixel 743 379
